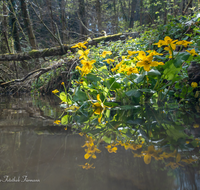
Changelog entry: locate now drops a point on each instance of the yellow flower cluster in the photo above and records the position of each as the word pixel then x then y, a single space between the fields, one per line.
pixel 87 166
pixel 131 145
pixel 143 60
pixel 87 65
pixel 91 148
pixel 111 148
pixel 171 45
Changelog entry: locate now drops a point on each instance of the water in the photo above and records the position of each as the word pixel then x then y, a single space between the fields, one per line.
pixel 37 154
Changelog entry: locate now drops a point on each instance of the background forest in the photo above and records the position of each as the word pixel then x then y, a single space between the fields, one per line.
pixel 37 24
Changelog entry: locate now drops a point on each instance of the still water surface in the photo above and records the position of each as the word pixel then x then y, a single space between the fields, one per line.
pixel 36 154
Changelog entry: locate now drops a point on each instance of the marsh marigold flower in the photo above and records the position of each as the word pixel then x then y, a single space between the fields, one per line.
pixel 131 70
pixel 192 52
pixel 83 54
pixel 87 166
pixel 169 43
pixel 111 149
pixel 87 66
pixel 147 61
pixel 106 53
pixel 80 45
pixel 57 122
pixel 184 43
pixel 109 61
pixel 55 91
pixel 194 84
pixel 196 125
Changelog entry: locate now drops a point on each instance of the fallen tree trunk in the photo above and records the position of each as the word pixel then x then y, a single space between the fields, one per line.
pixel 41 53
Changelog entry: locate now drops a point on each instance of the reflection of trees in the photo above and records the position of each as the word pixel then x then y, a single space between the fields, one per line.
pixel 25 111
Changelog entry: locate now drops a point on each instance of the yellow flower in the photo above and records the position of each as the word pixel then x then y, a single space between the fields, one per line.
pixel 87 66
pixel 87 166
pixel 131 70
pixel 194 84
pixel 62 83
pixel 153 52
pixel 106 53
pixel 131 146
pixel 174 165
pixel 196 125
pixel 192 52
pixel 151 152
pixel 109 60
pixel 57 122
pixel 160 43
pixel 169 41
pixel 187 142
pixel 81 134
pixel 184 43
pixel 111 149
pixel 55 91
pixel 80 45
pixel 65 128
pixel 99 108
pixel 117 66
pixel 131 53
pixel 83 54
pixel 189 160
pixel 146 62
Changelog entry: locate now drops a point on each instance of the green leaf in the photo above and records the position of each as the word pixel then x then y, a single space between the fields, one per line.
pixel 181 57
pixel 148 90
pixel 171 72
pixel 93 78
pixel 63 97
pixel 153 72
pixel 135 93
pixel 79 96
pixel 64 120
pixel 112 84
pixel 140 77
pixel 111 104
pixel 107 139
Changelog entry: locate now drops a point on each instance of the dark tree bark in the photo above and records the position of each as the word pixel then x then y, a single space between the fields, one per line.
pixel 63 20
pixel 4 39
pixel 123 11
pixel 115 16
pixel 53 29
pixel 28 24
pixel 98 11
pixel 141 12
pixel 14 28
pixel 133 7
pixel 82 17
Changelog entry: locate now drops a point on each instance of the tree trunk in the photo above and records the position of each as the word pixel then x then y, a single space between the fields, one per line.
pixel 133 6
pixel 82 17
pixel 115 17
pixel 165 12
pixel 98 11
pixel 123 11
pixel 4 39
pixel 141 12
pixel 14 32
pixel 28 24
pixel 54 51
pixel 63 20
